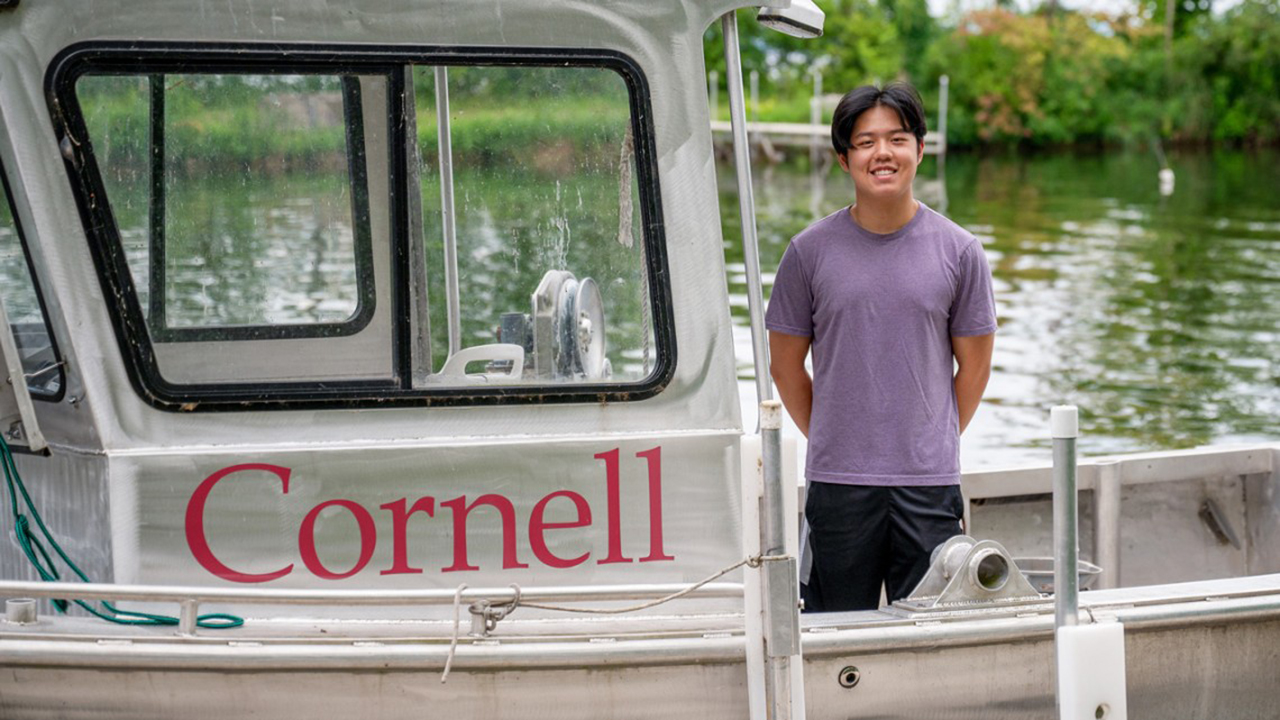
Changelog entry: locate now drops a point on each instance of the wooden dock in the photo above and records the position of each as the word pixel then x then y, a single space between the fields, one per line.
pixel 815 134
pixel 784 134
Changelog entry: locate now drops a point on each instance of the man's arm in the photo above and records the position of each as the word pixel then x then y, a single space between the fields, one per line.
pixel 973 356
pixel 795 387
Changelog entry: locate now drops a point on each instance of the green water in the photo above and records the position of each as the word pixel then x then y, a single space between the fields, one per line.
pixel 1159 316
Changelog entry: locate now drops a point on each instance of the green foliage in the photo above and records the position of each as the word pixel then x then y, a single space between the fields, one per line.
pixel 1239 58
pixel 996 62
pixel 1071 77
pixel 863 43
pixel 916 30
pixel 1039 78
pixel 1186 13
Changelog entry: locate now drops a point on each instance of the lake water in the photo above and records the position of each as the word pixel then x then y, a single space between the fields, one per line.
pixel 1159 316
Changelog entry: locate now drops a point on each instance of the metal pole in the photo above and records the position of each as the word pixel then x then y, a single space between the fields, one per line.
pixel 454 313
pixel 713 92
pixel 1106 524
pixel 781 601
pixel 746 206
pixel 420 321
pixel 815 119
pixel 755 95
pixel 1066 548
pixel 944 85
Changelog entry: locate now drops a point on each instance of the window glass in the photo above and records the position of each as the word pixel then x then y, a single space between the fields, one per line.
pixel 274 256
pixel 232 195
pixel 116 112
pixel 550 249
pixel 22 304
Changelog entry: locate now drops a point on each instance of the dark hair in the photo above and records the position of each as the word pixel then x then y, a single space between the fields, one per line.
pixel 900 97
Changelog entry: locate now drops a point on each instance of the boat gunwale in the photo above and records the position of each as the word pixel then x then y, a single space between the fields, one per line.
pixel 838 635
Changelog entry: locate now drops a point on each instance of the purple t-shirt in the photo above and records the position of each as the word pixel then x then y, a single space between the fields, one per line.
pixel 881 310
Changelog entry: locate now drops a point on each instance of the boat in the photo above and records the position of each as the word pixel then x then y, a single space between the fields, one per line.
pixel 376 359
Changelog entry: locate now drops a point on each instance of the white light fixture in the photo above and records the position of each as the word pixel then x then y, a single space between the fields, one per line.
pixel 803 19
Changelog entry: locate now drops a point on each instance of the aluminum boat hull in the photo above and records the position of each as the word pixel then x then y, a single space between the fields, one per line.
pixel 1193 650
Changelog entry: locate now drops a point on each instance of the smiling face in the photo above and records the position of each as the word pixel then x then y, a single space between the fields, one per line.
pixel 882 158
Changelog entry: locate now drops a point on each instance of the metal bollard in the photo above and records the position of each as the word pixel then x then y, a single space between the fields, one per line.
pixel 21 611
pixel 1106 524
pixel 1064 422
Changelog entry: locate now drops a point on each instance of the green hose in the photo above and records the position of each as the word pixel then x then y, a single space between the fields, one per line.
pixel 35 551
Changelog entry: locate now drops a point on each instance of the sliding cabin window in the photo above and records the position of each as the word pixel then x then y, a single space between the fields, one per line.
pixel 240 203
pixel 24 307
pixel 293 229
pixel 239 200
pixel 547 228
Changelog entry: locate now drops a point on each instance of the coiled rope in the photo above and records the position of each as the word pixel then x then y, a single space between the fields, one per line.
pixel 34 547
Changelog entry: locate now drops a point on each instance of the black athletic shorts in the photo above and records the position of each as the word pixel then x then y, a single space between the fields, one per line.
pixel 863 536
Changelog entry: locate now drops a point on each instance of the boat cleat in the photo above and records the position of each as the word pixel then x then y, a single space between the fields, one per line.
pixel 970 575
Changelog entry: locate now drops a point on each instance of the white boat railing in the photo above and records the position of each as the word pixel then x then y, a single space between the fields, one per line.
pixel 1106 475
pixel 189 599
pixel 1137 469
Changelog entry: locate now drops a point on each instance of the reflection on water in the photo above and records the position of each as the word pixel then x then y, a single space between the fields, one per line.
pixel 1158 316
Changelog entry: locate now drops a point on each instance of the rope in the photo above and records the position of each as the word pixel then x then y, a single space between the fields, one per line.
pixel 753 562
pixel 457 621
pixel 504 609
pixel 33 547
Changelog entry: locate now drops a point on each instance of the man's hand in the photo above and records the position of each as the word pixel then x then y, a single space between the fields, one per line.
pixel 795 387
pixel 973 356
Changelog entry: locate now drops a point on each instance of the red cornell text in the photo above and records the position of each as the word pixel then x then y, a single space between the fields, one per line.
pixel 399 512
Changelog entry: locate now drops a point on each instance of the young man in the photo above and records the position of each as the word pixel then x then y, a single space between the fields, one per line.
pixel 887 293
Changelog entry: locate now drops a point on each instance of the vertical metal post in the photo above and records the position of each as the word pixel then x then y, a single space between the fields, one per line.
pixel 944 85
pixel 781 601
pixel 746 206
pixel 420 320
pixel 816 179
pixel 157 292
pixel 1106 524
pixel 447 211
pixel 11 370
pixel 1064 422
pixel 815 119
pixel 755 95
pixel 188 617
pixel 713 92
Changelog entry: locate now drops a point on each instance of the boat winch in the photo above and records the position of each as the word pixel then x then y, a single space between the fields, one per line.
pixel 561 339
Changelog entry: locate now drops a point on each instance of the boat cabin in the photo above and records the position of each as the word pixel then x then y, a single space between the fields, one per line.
pixel 428 294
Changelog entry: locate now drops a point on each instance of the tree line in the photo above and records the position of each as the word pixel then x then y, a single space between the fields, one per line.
pixel 1044 77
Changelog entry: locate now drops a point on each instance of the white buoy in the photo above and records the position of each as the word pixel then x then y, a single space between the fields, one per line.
pixel 1166 181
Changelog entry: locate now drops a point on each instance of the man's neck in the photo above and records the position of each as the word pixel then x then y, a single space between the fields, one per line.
pixel 887 217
